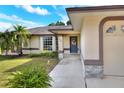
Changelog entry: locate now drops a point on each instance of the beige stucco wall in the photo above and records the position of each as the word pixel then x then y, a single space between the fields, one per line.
pixel 60 46
pixel 88 23
pixel 54 43
pixel 41 43
pixel 34 42
pixel 90 32
pixel 60 42
pixel 37 42
pixel 90 37
pixel 82 43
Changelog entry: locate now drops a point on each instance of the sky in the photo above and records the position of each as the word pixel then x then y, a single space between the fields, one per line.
pixel 31 15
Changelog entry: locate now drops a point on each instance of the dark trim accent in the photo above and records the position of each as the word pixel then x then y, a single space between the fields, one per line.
pixel 92 62
pixel 30 48
pixel 42 35
pixel 66 48
pixel 60 29
pixel 103 21
pixel 60 51
pixel 95 8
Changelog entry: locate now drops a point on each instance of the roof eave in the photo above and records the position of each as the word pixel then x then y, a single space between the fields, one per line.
pixel 59 29
pixel 95 8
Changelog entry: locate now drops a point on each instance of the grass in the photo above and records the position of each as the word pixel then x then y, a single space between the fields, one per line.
pixel 0 51
pixel 12 64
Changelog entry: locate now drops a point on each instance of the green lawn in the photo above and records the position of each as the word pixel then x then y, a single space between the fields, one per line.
pixel 0 50
pixel 11 64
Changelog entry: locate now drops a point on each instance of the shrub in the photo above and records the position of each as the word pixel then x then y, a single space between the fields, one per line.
pixel 49 54
pixel 34 55
pixel 32 77
pixel 45 54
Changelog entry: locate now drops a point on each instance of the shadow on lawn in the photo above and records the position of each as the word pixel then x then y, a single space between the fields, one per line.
pixel 35 62
pixel 7 57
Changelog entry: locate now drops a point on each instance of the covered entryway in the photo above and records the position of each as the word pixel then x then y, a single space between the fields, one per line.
pixel 113 47
pixel 68 42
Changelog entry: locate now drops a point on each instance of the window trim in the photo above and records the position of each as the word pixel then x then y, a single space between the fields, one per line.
pixel 47 43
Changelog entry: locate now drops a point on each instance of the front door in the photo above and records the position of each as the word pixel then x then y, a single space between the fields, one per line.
pixel 73 44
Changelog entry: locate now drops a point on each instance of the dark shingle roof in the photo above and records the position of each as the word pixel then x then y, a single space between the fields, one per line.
pixel 69 27
pixel 46 29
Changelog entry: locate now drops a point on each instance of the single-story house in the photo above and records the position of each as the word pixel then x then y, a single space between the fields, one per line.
pixel 53 38
pixel 97 33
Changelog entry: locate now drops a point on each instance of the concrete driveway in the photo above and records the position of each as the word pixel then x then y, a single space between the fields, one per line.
pixel 106 82
pixel 68 73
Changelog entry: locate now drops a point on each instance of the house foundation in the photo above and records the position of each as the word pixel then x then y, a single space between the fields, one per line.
pixel 93 71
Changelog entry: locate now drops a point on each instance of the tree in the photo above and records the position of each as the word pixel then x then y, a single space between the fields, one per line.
pixel 68 22
pixel 14 39
pixel 21 37
pixel 52 24
pixel 58 23
pixel 6 41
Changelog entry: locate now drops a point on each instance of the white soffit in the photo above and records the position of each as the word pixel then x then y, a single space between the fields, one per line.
pixel 77 17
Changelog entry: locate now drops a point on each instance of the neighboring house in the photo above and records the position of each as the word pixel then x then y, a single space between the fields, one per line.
pixel 97 33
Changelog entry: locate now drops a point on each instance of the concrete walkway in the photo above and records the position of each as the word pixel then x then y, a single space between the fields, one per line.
pixel 68 73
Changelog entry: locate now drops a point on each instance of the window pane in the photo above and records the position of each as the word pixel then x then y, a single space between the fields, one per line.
pixel 47 43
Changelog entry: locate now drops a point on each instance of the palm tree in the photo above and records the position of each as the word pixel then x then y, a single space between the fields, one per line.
pixel 6 42
pixel 21 37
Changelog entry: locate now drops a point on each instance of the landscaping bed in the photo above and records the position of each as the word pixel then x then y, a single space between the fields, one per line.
pixel 9 64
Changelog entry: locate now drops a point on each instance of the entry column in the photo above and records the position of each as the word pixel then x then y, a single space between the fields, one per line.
pixel 60 46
